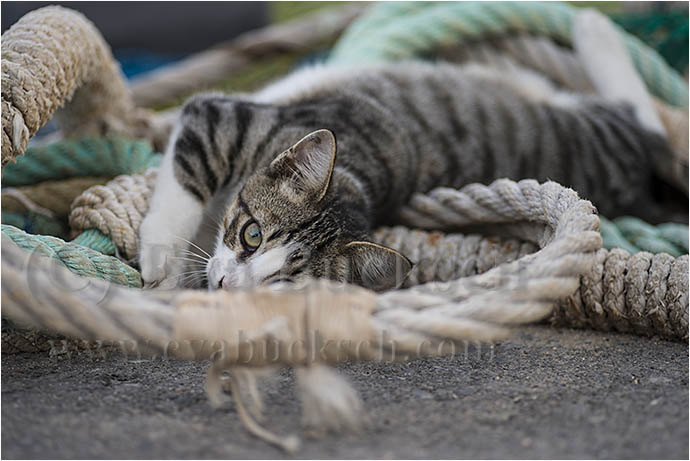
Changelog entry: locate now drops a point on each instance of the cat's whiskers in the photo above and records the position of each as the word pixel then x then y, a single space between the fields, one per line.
pixel 213 218
pixel 191 260
pixel 193 244
pixel 201 272
pixel 192 253
pixel 195 277
pixel 192 277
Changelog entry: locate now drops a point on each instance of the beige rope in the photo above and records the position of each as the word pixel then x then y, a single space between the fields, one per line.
pixel 516 292
pixel 53 55
pixel 116 209
pixel 441 257
pixel 644 294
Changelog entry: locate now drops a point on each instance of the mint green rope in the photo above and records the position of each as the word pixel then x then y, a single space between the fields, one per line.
pixel 96 240
pixel 79 259
pixel 91 156
pixel 395 30
pixel 634 235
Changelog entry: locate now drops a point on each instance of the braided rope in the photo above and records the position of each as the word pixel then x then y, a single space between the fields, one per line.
pixel 393 31
pixel 88 156
pixel 511 293
pixel 635 235
pixel 440 257
pixel 643 293
pixel 53 55
pixel 621 293
pixel 96 240
pixel 116 209
pixel 77 258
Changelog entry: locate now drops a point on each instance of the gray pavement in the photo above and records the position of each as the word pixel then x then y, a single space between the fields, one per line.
pixel 545 393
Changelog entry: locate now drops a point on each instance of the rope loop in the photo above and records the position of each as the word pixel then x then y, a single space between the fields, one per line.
pixel 115 209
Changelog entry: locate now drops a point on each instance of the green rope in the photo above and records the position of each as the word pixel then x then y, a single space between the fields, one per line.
pixel 79 259
pixel 634 235
pixel 91 156
pixel 394 30
pixel 96 240
pixel 90 254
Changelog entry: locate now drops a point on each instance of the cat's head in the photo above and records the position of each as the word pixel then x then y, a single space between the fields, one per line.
pixel 284 227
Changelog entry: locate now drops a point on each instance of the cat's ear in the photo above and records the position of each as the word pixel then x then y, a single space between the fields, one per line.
pixel 308 165
pixel 375 266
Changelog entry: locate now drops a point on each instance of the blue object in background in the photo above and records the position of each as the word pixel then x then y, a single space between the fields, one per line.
pixel 135 62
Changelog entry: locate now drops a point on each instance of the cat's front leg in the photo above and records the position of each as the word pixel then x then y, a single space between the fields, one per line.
pixel 195 166
pixel 174 217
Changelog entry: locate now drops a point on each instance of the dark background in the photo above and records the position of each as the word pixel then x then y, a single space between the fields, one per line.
pixel 144 35
pixel 176 27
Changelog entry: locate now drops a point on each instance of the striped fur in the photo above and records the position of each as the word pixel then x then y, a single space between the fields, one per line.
pixel 409 128
pixel 400 128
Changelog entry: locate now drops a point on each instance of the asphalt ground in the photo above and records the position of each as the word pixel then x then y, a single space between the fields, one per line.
pixel 545 393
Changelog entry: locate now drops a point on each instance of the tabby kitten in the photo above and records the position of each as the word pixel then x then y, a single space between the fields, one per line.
pixel 364 140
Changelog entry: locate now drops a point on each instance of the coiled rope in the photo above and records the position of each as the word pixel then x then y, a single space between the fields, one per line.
pixel 524 290
pixel 441 257
pixel 115 209
pixel 53 55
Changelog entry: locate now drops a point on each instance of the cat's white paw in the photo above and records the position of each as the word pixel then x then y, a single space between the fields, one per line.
pixel 159 255
pixel 602 52
pixel 594 31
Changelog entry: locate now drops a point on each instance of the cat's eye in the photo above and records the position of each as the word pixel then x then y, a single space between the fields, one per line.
pixel 251 236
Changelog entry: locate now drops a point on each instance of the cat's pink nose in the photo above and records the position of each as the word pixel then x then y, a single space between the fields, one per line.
pixel 220 283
